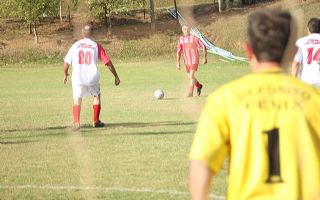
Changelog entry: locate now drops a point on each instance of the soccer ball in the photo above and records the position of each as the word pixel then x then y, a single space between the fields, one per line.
pixel 159 94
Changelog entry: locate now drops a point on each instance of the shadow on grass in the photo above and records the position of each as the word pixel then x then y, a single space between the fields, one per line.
pixel 16 142
pixel 148 124
pixel 90 133
pixel 33 129
pixel 138 124
pixel 33 132
pixel 169 99
pixel 156 133
pixel 87 128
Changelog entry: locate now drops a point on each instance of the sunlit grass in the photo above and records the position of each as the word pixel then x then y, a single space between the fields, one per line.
pixel 142 150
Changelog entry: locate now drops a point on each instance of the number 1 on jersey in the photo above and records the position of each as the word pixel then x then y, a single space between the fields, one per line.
pixel 274 156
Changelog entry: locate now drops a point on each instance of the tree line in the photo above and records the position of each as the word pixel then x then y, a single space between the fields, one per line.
pixel 32 11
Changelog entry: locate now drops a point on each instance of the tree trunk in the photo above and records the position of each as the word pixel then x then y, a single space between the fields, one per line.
pixel 105 17
pixel 35 32
pixel 219 2
pixel 109 23
pixel 152 16
pixel 238 3
pixel 60 11
pixel 69 16
pixel 30 28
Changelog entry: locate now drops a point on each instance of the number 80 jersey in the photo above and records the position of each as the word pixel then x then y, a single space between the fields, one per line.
pixel 83 56
pixel 308 56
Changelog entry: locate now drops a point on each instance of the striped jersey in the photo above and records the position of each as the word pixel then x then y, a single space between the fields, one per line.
pixel 188 46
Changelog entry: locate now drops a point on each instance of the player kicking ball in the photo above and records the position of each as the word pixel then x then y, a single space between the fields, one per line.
pixel 83 56
pixel 188 46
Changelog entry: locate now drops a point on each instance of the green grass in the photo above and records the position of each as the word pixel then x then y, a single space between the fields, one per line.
pixel 142 153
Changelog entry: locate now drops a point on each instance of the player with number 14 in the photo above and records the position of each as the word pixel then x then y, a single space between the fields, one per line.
pixel 306 64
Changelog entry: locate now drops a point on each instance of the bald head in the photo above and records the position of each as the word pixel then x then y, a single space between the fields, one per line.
pixel 87 30
pixel 185 30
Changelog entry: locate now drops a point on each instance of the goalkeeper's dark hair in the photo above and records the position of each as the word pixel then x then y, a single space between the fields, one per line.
pixel 314 25
pixel 269 33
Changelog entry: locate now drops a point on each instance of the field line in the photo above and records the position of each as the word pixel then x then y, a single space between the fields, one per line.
pixel 105 189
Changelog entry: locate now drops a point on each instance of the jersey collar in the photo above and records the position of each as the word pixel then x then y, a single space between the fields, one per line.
pixel 273 69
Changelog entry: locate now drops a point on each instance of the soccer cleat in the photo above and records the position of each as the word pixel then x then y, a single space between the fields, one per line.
pixel 75 127
pixel 98 124
pixel 199 90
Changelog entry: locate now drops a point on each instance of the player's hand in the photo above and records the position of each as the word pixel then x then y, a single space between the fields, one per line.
pixel 204 61
pixel 65 80
pixel 178 66
pixel 116 81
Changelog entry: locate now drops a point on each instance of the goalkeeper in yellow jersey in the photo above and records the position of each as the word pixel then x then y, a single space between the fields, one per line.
pixel 267 123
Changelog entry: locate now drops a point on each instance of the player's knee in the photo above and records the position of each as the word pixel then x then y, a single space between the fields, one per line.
pixel 77 101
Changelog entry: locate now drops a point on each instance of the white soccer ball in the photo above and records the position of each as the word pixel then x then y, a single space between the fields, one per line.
pixel 159 94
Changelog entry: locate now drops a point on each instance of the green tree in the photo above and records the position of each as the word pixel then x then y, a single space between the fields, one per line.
pixel 108 8
pixel 152 16
pixel 31 11
pixel 65 7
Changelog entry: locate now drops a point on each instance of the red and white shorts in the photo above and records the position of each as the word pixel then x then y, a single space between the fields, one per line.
pixel 191 67
pixel 81 91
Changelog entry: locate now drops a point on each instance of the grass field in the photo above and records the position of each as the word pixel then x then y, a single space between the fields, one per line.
pixel 142 153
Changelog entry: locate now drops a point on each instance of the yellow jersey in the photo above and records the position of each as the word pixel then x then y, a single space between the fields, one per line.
pixel 268 123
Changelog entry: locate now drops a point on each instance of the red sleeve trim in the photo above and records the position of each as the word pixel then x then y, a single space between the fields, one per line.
pixel 102 54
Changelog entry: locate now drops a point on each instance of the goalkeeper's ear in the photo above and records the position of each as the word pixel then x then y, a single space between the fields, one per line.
pixel 291 48
pixel 252 59
pixel 249 51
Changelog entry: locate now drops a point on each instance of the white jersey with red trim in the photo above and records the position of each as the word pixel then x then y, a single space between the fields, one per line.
pixel 83 56
pixel 308 56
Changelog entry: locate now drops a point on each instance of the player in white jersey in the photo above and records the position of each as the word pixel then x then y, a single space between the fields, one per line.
pixel 83 56
pixel 306 64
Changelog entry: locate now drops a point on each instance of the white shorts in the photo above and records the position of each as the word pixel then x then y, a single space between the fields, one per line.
pixel 81 91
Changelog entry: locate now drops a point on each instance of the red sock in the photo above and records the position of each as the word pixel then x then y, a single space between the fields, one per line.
pixel 76 113
pixel 197 84
pixel 96 112
pixel 191 87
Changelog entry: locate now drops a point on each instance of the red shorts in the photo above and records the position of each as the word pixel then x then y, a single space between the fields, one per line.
pixel 191 67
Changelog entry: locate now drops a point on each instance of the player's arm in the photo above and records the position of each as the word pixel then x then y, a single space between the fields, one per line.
pixel 102 54
pixel 204 50
pixel 114 72
pixel 178 59
pixel 298 58
pixel 67 62
pixel 179 51
pixel 209 147
pixel 199 180
pixel 295 68
pixel 66 74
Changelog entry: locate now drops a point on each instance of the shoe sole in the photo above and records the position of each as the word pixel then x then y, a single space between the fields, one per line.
pixel 100 125
pixel 199 90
